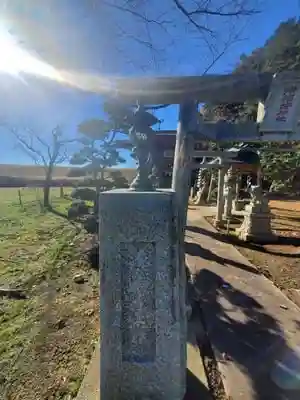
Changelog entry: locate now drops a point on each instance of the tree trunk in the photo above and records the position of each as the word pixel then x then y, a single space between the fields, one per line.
pixel 46 201
pixel 98 186
pixel 47 187
pixel 20 198
pixel 102 175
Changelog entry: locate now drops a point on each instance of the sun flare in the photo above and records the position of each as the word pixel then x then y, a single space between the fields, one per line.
pixel 17 61
pixel 14 60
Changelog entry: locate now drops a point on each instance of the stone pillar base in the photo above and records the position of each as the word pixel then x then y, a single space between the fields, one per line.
pixel 259 239
pixel 142 297
pixel 218 223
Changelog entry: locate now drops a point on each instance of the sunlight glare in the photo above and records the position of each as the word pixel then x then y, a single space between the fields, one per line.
pixel 15 60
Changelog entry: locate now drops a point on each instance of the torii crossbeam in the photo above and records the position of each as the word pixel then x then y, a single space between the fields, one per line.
pixel 230 88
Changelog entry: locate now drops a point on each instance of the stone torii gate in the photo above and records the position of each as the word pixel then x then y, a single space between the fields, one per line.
pixel 141 235
pixel 278 100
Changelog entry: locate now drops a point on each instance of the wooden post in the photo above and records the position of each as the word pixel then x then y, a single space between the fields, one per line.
pixel 20 198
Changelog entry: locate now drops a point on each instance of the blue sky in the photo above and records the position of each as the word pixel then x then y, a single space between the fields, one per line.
pixel 42 104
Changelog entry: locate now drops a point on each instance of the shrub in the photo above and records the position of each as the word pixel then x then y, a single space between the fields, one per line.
pixel 91 224
pixel 85 194
pixel 77 209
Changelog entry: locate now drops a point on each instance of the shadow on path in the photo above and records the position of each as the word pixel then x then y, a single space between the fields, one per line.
pixel 195 249
pixel 236 242
pixel 195 388
pixel 249 338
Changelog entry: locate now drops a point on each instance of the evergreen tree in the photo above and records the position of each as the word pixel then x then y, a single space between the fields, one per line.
pixel 99 149
pixel 281 52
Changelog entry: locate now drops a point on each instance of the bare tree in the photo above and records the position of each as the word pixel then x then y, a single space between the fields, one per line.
pixel 45 152
pixel 211 26
pixel 143 33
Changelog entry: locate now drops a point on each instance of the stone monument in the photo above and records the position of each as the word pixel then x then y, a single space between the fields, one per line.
pixel 256 225
pixel 142 306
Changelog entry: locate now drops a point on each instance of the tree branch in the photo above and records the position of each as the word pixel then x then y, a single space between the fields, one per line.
pixel 226 47
pixel 219 13
pixel 36 155
pixel 52 154
pixel 44 144
pixel 133 12
pixel 187 14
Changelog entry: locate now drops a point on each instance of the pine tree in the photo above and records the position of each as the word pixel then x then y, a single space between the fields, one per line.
pixel 99 149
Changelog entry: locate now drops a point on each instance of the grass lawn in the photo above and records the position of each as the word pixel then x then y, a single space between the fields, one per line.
pixel 46 340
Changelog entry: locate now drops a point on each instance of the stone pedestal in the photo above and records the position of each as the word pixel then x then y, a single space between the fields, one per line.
pixel 142 307
pixel 256 225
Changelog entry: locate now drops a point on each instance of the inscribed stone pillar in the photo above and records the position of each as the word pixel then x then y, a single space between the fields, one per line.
pixel 141 311
pixel 230 183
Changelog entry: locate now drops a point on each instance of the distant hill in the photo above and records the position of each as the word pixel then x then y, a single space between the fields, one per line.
pixel 35 173
pixel 30 171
